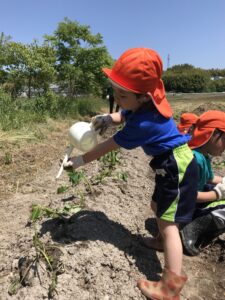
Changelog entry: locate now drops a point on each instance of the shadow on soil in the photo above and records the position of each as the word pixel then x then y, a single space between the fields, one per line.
pixel 95 225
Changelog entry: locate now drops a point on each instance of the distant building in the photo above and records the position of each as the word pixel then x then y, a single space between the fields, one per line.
pixel 217 77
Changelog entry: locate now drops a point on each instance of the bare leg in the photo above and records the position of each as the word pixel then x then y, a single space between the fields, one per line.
pixel 173 250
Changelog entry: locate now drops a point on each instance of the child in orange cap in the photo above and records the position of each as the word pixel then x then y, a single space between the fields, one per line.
pixel 139 91
pixel 187 122
pixel 208 139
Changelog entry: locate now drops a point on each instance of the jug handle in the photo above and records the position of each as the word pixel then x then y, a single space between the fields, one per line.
pixel 68 152
pixel 92 128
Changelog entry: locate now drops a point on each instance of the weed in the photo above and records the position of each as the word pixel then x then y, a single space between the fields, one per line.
pixel 82 199
pixel 75 177
pixel 7 158
pixel 219 164
pixel 52 287
pixel 62 189
pixel 102 174
pixel 122 176
pixel 37 211
pixel 110 159
pixel 14 286
pixel 52 262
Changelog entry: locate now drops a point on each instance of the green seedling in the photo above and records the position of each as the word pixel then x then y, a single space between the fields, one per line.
pixel 7 158
pixel 14 286
pixel 76 177
pixel 122 176
pixel 43 251
pixel 110 159
pixel 62 189
pixel 70 209
pixel 52 287
pixel 219 164
pixel 37 212
pixel 103 174
pixel 82 198
pixel 88 186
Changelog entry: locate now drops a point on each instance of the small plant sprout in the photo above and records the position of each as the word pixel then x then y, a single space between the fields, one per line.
pixel 122 176
pixel 37 211
pixel 62 189
pixel 110 159
pixel 75 177
pixel 7 158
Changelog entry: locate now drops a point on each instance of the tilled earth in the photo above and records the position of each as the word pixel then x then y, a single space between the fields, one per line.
pixel 95 253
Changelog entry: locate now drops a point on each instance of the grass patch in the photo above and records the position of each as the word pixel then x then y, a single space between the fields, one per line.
pixel 24 113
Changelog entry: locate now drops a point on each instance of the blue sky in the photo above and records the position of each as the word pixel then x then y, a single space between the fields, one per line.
pixel 190 31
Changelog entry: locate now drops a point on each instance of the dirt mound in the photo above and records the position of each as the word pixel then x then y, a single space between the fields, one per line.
pixel 208 106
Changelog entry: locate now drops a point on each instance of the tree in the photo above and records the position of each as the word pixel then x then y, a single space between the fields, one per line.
pixel 185 78
pixel 80 57
pixel 28 67
pixel 181 68
pixel 4 39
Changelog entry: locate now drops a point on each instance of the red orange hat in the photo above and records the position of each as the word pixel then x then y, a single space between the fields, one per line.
pixel 139 70
pixel 205 126
pixel 186 121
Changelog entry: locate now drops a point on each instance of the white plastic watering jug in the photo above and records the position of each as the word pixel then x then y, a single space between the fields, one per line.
pixel 82 136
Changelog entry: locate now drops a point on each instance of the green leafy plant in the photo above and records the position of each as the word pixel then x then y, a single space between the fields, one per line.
pixel 110 159
pixel 219 164
pixel 37 211
pixel 122 176
pixel 14 286
pixel 102 174
pixel 75 177
pixel 62 189
pixel 8 158
pixel 44 252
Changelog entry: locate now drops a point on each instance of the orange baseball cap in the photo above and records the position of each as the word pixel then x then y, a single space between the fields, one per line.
pixel 139 70
pixel 186 121
pixel 205 126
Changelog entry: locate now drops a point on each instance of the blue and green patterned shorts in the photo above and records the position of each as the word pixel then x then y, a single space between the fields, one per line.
pixel 176 184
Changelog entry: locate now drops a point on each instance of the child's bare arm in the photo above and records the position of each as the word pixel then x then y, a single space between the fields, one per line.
pixel 207 196
pixel 216 179
pixel 100 150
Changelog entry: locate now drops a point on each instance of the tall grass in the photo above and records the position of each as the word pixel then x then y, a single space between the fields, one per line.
pixel 22 112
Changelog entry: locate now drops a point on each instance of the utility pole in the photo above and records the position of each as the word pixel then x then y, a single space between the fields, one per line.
pixel 168 61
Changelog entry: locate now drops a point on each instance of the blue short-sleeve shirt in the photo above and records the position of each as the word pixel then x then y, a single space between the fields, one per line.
pixel 151 131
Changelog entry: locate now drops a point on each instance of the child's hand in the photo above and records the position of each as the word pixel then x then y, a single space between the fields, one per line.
pixel 73 163
pixel 220 190
pixel 101 123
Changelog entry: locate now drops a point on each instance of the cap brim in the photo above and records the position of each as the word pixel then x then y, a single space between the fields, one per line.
pixel 158 95
pixel 200 137
pixel 107 71
pixel 115 81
